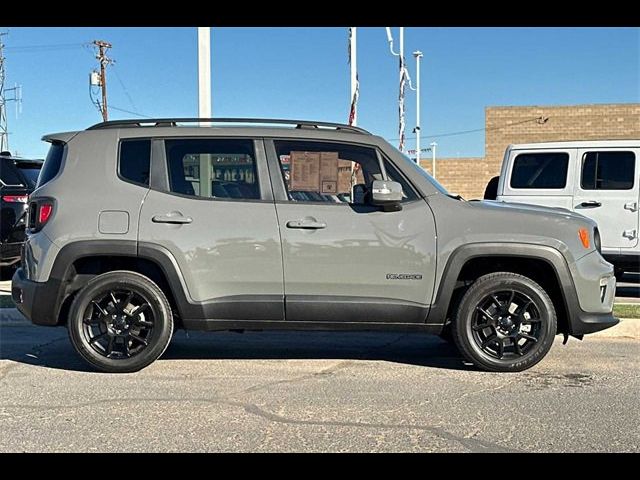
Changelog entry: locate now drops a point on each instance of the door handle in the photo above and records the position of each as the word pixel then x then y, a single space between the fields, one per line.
pixel 175 218
pixel 633 206
pixel 306 223
pixel 590 204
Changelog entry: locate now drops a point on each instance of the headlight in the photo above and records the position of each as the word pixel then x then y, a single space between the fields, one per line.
pixel 596 239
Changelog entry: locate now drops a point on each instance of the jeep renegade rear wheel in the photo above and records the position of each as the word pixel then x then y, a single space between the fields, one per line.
pixel 120 322
pixel 505 323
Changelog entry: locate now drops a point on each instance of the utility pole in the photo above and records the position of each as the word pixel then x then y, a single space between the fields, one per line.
pixel 104 61
pixel 418 55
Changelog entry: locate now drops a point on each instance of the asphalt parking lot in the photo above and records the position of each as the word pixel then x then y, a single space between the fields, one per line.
pixel 316 392
pixel 290 391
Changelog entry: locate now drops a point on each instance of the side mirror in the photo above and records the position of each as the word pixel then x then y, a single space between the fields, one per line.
pixel 385 193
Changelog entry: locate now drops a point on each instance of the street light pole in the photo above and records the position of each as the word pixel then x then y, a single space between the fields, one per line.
pixel 204 72
pixel 433 146
pixel 418 55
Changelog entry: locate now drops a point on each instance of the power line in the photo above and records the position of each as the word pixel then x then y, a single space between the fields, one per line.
pixel 126 92
pixel 539 119
pixel 37 48
pixel 129 111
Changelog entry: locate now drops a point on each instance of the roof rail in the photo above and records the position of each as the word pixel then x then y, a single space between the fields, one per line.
pixel 173 122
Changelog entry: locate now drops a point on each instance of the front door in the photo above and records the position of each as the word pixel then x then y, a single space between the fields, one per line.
pixel 608 193
pixel 213 211
pixel 344 259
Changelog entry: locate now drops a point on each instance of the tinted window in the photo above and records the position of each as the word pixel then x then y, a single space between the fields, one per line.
pixel 330 172
pixel 213 168
pixel 135 160
pixel 52 163
pixel 8 173
pixel 30 172
pixel 608 170
pixel 396 176
pixel 540 170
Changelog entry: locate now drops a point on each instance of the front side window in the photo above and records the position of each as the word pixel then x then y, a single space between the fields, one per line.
pixel 213 168
pixel 327 172
pixel 608 171
pixel 540 170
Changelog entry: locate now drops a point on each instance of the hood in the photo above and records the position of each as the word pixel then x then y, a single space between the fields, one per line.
pixel 530 208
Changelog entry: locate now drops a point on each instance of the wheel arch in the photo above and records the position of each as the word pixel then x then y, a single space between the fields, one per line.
pixel 78 262
pixel 469 262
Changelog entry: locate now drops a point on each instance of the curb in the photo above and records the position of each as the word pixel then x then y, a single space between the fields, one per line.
pixel 628 328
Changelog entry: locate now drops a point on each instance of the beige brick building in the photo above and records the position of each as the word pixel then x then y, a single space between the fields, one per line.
pixel 507 125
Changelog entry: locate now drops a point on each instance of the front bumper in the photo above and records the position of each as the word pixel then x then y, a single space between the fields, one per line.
pixel 35 300
pixel 590 302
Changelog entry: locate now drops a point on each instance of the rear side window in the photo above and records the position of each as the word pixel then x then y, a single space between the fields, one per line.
pixel 213 168
pixel 135 161
pixel 8 173
pixel 608 170
pixel 540 170
pixel 52 163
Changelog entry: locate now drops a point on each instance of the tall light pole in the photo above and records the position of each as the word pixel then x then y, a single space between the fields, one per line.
pixel 418 55
pixel 204 72
pixel 433 146
pixel 204 101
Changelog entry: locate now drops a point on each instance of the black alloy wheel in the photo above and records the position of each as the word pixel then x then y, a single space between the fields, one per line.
pixel 120 322
pixel 505 322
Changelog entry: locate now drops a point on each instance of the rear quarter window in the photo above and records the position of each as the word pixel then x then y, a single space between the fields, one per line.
pixel 52 163
pixel 134 164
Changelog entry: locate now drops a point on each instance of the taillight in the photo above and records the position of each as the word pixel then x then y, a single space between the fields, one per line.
pixel 15 198
pixel 44 212
pixel 40 211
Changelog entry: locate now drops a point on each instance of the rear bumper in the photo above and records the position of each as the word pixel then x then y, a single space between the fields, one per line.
pixel 10 253
pixel 35 300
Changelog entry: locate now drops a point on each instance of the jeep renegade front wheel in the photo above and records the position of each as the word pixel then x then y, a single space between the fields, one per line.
pixel 120 322
pixel 505 323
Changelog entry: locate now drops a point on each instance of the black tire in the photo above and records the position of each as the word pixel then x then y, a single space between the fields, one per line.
pixel 112 338
pixel 484 322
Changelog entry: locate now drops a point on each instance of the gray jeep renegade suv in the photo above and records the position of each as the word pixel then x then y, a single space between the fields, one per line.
pixel 139 228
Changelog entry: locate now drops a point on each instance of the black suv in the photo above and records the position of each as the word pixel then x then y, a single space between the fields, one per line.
pixel 18 178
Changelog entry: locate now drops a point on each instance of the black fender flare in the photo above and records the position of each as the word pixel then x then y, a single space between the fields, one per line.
pixel 461 255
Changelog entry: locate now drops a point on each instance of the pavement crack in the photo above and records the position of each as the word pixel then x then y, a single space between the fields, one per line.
pixel 471 444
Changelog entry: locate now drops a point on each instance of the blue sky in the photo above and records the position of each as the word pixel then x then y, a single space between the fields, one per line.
pixel 303 73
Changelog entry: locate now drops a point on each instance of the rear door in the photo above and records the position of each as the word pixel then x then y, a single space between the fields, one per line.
pixel 540 177
pixel 212 208
pixel 608 193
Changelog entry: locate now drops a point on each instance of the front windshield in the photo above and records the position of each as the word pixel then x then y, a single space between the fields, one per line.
pixel 426 175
